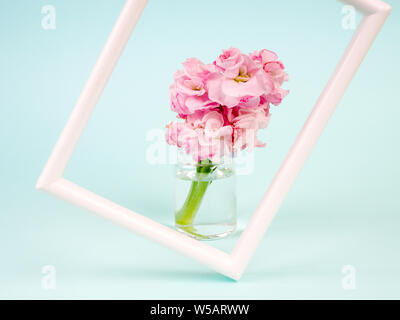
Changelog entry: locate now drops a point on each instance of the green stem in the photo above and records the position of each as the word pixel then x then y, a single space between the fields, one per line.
pixel 187 213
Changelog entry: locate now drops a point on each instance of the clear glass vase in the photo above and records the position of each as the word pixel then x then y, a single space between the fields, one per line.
pixel 205 198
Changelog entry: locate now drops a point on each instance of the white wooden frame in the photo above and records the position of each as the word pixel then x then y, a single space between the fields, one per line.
pixel 232 265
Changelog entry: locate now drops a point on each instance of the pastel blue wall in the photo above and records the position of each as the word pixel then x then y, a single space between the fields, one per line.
pixel 343 209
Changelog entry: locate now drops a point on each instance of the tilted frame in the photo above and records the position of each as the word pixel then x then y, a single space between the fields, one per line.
pixel 232 265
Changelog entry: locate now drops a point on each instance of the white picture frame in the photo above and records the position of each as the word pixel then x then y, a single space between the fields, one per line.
pixel 231 264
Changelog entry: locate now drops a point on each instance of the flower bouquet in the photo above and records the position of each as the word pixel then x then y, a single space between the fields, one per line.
pixel 221 106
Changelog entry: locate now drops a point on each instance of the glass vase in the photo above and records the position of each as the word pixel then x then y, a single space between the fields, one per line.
pixel 205 198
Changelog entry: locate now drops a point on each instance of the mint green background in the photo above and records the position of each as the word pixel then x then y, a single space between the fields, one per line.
pixel 342 210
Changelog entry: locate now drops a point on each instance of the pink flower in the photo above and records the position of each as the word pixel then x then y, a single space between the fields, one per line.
pixel 269 62
pixel 203 135
pixel 276 70
pixel 211 122
pixel 189 95
pixel 253 119
pixel 229 62
pixel 179 134
pixel 246 85
pixel 277 95
pixel 177 101
pixel 194 68
pixel 190 87
pixel 215 139
pixel 264 56
pixel 246 122
pixel 224 104
pixel 188 92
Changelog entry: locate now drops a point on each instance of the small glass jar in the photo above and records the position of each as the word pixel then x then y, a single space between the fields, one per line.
pixel 205 198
